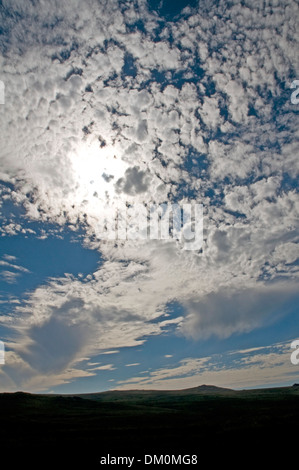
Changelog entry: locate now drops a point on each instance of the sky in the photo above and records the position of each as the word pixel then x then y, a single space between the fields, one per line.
pixel 139 104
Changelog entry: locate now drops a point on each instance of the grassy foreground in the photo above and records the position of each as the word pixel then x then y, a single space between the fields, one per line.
pixel 218 425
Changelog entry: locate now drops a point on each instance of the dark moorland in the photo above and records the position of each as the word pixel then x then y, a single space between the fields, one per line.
pixel 220 426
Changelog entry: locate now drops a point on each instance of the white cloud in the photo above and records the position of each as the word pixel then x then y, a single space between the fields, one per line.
pixel 116 351
pixel 14 266
pixel 13 271
pixel 103 367
pixel 9 257
pixel 210 112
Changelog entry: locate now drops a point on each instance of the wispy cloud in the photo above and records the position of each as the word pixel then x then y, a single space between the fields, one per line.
pixel 14 266
pixel 264 366
pixel 13 271
pixel 103 367
pixel 9 258
pixel 9 276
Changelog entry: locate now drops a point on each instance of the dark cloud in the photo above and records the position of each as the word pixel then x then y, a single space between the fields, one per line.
pixel 134 182
pixel 225 312
pixel 107 178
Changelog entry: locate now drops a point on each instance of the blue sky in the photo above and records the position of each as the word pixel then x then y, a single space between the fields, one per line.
pixel 145 103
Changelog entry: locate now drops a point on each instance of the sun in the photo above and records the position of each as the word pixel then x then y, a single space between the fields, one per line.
pixel 96 170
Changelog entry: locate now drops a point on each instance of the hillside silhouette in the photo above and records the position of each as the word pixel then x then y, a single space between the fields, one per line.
pixel 213 423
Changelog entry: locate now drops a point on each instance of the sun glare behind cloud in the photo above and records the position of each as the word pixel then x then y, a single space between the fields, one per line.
pixel 96 170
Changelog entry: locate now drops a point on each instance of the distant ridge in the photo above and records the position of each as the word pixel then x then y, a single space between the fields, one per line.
pixel 200 389
pixel 130 393
pixel 207 388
